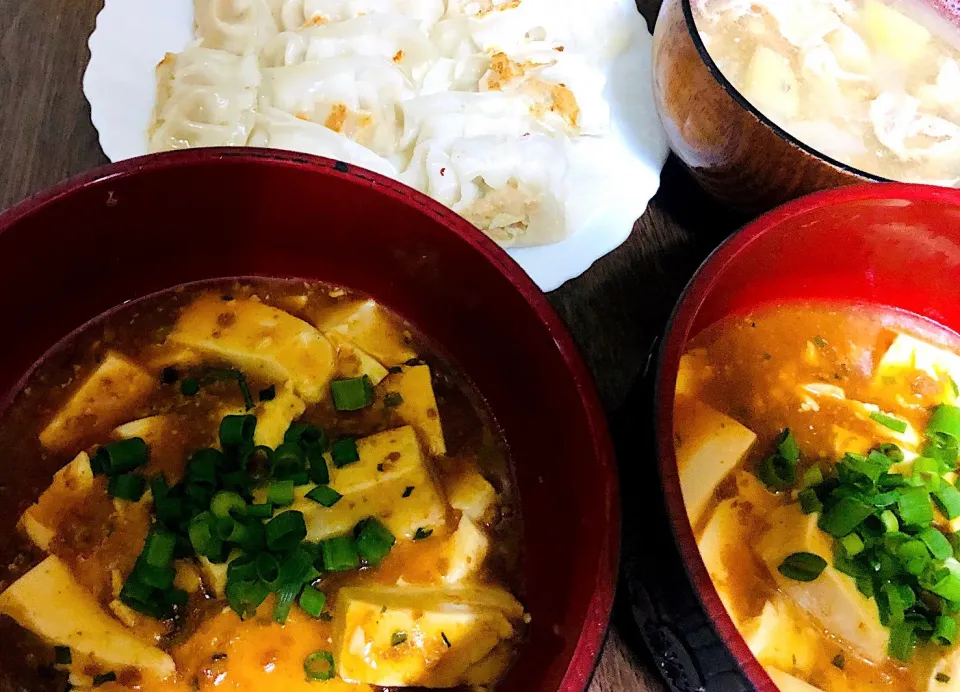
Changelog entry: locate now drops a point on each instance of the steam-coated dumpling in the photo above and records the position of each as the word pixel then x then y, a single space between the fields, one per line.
pixel 281 130
pixel 388 36
pixel 511 187
pixel 354 96
pixel 205 98
pixel 236 26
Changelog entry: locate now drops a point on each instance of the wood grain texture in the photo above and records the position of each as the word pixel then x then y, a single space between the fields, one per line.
pixel 614 311
pixel 741 158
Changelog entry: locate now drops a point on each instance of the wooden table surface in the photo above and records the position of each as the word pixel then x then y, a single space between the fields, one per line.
pixel 614 310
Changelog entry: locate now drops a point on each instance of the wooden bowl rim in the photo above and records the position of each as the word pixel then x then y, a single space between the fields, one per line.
pixel 744 103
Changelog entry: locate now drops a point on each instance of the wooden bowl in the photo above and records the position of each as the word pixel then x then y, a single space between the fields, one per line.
pixel 736 153
pixel 860 244
pixel 144 225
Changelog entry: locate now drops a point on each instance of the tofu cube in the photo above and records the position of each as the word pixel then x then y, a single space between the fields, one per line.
pixel 368 326
pixel 276 415
pixel 353 361
pixel 70 486
pixel 832 599
pixel 103 400
pixel 260 340
pixel 709 445
pixel 907 354
pixel 788 683
pixel 771 84
pixel 778 637
pixel 419 405
pixel 48 602
pixel 468 549
pixel 894 33
pixel 471 493
pixel 390 462
pixel 426 637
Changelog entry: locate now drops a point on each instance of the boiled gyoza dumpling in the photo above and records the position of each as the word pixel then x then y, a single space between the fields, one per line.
pixel 205 98
pixel 294 15
pixel 281 130
pixel 600 28
pixel 236 26
pixel 354 96
pixel 563 90
pixel 511 188
pixel 455 115
pixel 390 36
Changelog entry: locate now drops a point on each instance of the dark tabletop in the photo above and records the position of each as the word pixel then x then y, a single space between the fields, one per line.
pixel 615 310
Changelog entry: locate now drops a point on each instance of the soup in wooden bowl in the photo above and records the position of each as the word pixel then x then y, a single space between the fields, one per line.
pixel 808 426
pixel 766 101
pixel 255 443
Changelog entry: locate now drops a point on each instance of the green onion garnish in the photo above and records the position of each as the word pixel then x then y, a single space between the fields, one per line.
pixel 890 422
pixel 286 530
pixel 312 601
pixel 344 451
pixel 787 446
pixel 244 597
pixel 777 472
pixel 286 595
pixel 127 486
pixel 264 511
pixel 902 640
pixel 839 661
pixel 944 630
pixel 339 554
pixel 948 500
pixel 398 638
pixel 226 504
pixel 936 543
pixel 352 394
pixel 915 507
pixel 324 495
pixel 802 566
pixel 392 399
pixel 844 516
pixel 288 461
pixel 809 502
pixel 944 420
pixel 104 678
pixel 319 666
pixel 852 544
pixel 422 534
pixel 268 394
pixel 120 457
pixel 280 493
pixel 237 431
pixel 374 541
pixel 189 387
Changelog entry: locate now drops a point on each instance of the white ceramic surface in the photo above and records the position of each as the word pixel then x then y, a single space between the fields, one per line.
pixel 132 36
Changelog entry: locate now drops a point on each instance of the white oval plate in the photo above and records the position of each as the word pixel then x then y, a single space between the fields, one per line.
pixel 132 36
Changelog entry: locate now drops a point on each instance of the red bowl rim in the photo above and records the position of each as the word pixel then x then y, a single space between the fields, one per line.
pixel 676 335
pixel 597 618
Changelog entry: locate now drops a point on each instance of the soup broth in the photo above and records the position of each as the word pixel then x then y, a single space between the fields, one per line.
pixel 870 83
pixel 820 483
pixel 255 485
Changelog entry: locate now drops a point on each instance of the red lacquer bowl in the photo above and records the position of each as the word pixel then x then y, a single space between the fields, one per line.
pixel 888 245
pixel 147 224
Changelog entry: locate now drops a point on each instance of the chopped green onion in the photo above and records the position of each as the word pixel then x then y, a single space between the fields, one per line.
pixel 398 638
pixel 236 431
pixel 392 399
pixel 104 678
pixel 852 544
pixel 189 387
pixel 127 486
pixel 844 516
pixel 344 451
pixel 915 507
pixel 352 393
pixel 890 522
pixel 812 476
pixel 891 451
pixel 243 568
pixel 890 422
pixel 339 554
pixel 319 473
pixel 944 420
pixel 202 466
pixel 422 533
pixel 245 391
pixel 787 446
pixel 374 541
pixel 268 394
pixel 156 577
pixel 288 460
pixel 256 511
pixel 268 569
pixel 839 662
pixel 809 502
pixel 902 640
pixel 319 666
pixel 312 601
pixel 280 493
pixel 948 586
pixel 777 472
pixel 802 566
pixel 948 500
pixel 158 548
pixel 944 631
pixel 200 533
pixel 62 655
pixel 226 504
pixel 286 595
pixel 324 495
pixel 244 597
pixel 942 677
pixel 936 542
pixel 120 457
pixel 286 530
